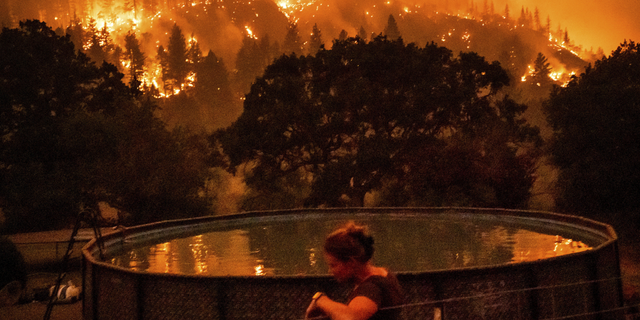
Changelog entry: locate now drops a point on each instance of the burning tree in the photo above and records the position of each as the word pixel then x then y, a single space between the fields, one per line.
pixel 134 55
pixel 384 116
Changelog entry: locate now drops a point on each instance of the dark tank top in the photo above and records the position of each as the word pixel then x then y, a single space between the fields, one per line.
pixel 385 292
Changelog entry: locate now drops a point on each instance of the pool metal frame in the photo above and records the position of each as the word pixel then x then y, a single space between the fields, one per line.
pixel 585 284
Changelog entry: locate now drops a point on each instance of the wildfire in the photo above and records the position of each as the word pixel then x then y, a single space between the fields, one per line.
pixel 290 7
pixel 250 33
pixel 555 42
pixel 119 20
pixel 562 76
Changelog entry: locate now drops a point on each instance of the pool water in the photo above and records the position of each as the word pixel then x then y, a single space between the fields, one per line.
pixel 403 244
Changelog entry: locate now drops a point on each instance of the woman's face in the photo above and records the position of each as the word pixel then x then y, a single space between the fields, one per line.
pixel 343 271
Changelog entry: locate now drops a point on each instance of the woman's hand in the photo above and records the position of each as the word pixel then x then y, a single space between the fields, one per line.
pixel 360 308
pixel 313 310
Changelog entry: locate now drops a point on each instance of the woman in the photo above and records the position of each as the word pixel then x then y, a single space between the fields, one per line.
pixel 376 292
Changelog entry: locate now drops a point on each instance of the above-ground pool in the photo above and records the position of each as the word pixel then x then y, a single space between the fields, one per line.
pixel 292 245
pixel 454 263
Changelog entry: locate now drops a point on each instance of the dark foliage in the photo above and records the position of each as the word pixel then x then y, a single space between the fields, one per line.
pixel 385 116
pixel 596 123
pixel 73 134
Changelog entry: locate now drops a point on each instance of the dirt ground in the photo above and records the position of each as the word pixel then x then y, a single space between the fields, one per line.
pixel 36 310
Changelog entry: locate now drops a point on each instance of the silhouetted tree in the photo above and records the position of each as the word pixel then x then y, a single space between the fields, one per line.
pixel 134 55
pixel 343 35
pixel 77 34
pixel 212 87
pixel 364 115
pixel 292 42
pixel 163 59
pixel 267 50
pixel 522 20
pixel 194 54
pixel 541 71
pixel 96 52
pixel 316 40
pixel 506 12
pixel 116 58
pixel 547 27
pixel 391 30
pixel 595 144
pixel 249 64
pixel 362 34
pixel 536 20
pixel 107 43
pixel 177 63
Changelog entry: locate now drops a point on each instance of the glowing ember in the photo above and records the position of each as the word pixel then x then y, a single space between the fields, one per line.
pixel 250 33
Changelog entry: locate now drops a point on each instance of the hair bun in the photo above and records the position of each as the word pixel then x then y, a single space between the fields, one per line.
pixel 350 241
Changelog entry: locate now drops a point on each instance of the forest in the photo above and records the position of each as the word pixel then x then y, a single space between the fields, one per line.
pixel 480 116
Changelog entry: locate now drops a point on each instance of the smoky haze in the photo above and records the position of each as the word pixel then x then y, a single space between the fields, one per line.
pixel 593 23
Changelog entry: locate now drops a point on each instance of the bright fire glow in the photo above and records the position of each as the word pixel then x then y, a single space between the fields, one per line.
pixel 291 7
pixel 118 21
pixel 250 33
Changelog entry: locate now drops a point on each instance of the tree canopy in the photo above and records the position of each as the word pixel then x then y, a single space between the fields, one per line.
pixel 73 134
pixel 596 123
pixel 385 116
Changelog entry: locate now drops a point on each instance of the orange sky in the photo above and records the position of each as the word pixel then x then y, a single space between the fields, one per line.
pixel 591 23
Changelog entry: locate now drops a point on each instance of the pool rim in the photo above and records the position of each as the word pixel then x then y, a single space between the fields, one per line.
pixel 90 251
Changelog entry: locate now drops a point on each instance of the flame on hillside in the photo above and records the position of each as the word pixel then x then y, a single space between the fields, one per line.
pixel 118 20
pixel 291 7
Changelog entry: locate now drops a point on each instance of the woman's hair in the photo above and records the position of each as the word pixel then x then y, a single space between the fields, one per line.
pixel 350 241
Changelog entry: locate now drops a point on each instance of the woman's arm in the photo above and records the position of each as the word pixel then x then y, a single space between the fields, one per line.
pixel 359 308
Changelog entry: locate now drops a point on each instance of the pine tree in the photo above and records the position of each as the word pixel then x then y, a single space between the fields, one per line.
pixel 292 42
pixel 212 82
pixel 163 59
pixel 266 51
pixel 536 18
pixel 506 12
pixel 343 35
pixel 316 40
pixel 248 65
pixel 177 64
pixel 194 54
pixel 95 51
pixel 116 58
pixel 362 34
pixel 77 34
pixel 522 20
pixel 391 30
pixel 134 55
pixel 547 27
pixel 541 71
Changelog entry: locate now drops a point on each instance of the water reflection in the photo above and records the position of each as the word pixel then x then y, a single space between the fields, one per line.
pixel 290 248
